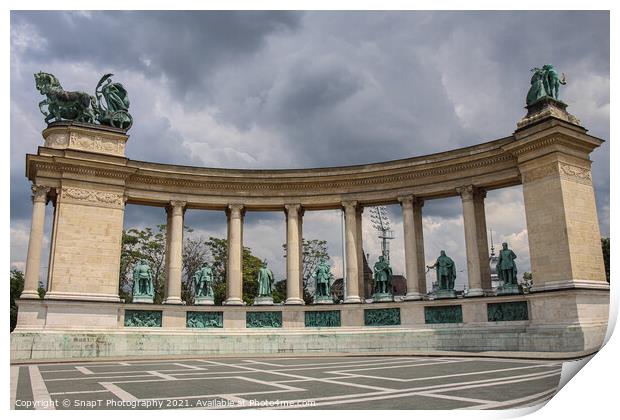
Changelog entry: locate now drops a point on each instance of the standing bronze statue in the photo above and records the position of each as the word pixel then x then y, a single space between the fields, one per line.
pixel 507 270
pixel 545 82
pixel 446 275
pixel 143 291
pixel 265 285
pixel 323 278
pixel 203 285
pixel 382 275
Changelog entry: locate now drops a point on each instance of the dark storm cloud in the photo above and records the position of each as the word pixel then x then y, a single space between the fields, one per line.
pixel 183 46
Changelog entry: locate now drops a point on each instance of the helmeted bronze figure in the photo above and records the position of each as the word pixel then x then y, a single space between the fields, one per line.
pixel 203 285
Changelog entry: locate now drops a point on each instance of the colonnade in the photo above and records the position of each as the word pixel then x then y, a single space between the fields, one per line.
pixel 474 228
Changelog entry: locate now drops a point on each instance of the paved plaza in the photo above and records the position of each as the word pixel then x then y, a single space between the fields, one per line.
pixel 285 383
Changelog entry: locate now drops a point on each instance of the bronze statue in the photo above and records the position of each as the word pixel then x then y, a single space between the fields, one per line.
pixel 506 266
pixel 323 278
pixel 203 281
pixel 143 282
pixel 446 271
pixel 382 275
pixel 265 281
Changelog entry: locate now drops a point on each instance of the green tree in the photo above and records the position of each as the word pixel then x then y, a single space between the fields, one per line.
pixel 605 244
pixel 279 291
pixel 17 287
pixel 313 251
pixel 195 253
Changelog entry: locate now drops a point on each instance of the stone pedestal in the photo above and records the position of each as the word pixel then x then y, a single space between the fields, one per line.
pixel 323 300
pixel 508 289
pixel 263 300
pixel 442 294
pixel 204 300
pixel 85 138
pixel 142 299
pixel 383 297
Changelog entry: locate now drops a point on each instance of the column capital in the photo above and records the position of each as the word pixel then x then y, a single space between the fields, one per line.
pixel 466 192
pixel 39 193
pixel 176 207
pixel 293 209
pixel 349 204
pixel 235 210
pixel 410 201
pixel 480 193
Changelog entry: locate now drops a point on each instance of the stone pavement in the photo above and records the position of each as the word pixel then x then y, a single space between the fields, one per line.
pixel 293 382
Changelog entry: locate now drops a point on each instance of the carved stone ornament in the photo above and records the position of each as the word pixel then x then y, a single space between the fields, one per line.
pixel 575 173
pixel 39 193
pixel 101 198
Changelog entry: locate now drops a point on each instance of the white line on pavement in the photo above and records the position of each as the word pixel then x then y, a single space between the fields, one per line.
pixel 84 370
pixel 118 391
pixel 189 366
pixel 548 394
pixel 161 375
pixel 39 390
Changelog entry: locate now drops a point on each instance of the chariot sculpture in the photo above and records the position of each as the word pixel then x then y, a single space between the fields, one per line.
pixel 109 106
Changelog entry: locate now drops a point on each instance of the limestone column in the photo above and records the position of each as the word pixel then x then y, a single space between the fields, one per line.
pixel 167 256
pixel 414 247
pixel 175 258
pixel 351 279
pixel 361 281
pixel 471 240
pixel 294 277
pixel 33 263
pixel 483 242
pixel 234 273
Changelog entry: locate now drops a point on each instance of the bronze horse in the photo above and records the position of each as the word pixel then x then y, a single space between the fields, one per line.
pixel 63 104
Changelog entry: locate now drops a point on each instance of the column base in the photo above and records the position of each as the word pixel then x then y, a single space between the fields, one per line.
pixel 571 284
pixel 353 299
pixel 30 294
pixel 233 301
pixel 82 296
pixel 413 296
pixel 204 300
pixel 173 301
pixel 294 301
pixel 474 293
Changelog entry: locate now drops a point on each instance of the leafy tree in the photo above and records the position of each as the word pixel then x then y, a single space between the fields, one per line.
pixel 279 291
pixel 313 251
pixel 606 246
pixel 17 287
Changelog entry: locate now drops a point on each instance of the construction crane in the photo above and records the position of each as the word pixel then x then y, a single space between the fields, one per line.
pixel 381 222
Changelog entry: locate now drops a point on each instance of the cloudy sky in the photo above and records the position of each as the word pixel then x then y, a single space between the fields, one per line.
pixel 294 89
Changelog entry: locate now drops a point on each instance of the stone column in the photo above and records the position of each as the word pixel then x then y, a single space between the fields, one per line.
pixel 483 242
pixel 33 263
pixel 294 278
pixel 175 257
pixel 414 247
pixel 361 281
pixel 234 273
pixel 167 256
pixel 351 245
pixel 471 240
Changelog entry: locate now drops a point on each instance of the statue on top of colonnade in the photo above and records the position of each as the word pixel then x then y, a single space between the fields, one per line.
pixel 203 285
pixel 323 279
pixel 143 291
pixel 265 284
pixel 446 275
pixel 382 275
pixel 545 82
pixel 109 106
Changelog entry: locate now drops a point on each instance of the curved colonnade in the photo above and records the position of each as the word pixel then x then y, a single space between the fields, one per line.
pixel 83 170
